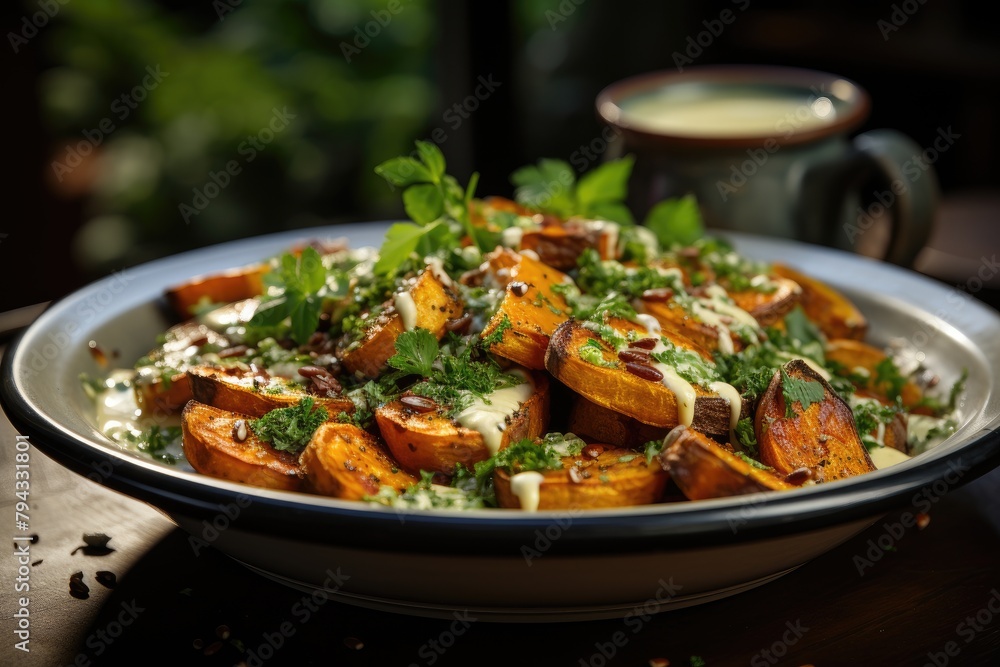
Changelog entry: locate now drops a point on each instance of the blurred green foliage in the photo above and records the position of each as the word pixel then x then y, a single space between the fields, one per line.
pixel 358 84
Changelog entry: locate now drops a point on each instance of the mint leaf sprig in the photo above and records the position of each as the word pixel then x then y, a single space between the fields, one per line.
pixel 551 186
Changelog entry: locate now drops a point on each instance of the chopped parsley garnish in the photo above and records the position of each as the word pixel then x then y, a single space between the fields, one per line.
pixel 496 335
pixel 868 414
pixel 888 379
pixel 745 435
pixel 290 429
pixel 593 353
pixel 691 366
pixel 752 462
pixel 652 449
pixel 803 392
pixel 454 377
pixel 460 495
pixel 155 441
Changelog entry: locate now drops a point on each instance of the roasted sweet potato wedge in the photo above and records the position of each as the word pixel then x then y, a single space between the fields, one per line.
pixel 529 311
pixel 559 244
pixel 224 287
pixel 428 440
pixel 428 304
pixel 347 462
pixel 673 318
pixel 769 307
pixel 253 394
pixel 821 437
pixel 164 388
pixel 702 468
pixel 617 388
pixel 854 354
pixel 212 446
pixel 614 478
pixel 830 310
pixel 599 424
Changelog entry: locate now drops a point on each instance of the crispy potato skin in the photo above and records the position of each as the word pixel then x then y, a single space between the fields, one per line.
pixel 599 424
pixel 232 389
pixel 619 390
pixel 347 462
pixel 822 438
pixel 701 468
pixel 212 449
pixel 624 483
pixel 852 354
pixel 830 310
pixel 430 441
pixel 533 316
pixel 225 287
pixel 436 304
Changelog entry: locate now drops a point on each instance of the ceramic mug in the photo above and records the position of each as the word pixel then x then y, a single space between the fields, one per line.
pixel 766 150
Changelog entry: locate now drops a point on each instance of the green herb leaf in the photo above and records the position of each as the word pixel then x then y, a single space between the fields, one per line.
pixel 404 171
pixel 606 183
pixel 433 158
pixel 415 352
pixel 613 211
pixel 745 435
pixel 496 335
pixel 423 202
pixel 546 187
pixel 676 221
pixel 888 378
pixel 290 429
pixel 804 392
pixel 652 449
pixel 401 240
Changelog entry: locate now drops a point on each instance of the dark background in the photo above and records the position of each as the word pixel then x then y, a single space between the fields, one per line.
pixel 229 69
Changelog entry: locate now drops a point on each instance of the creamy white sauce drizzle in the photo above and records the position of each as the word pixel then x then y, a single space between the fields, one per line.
pixel 728 392
pixel 918 428
pixel 511 237
pixel 717 311
pixel 883 457
pixel 684 393
pixel 406 308
pixel 651 323
pixel 525 485
pixel 491 419
pixel 530 254
pixel 118 414
pixel 436 266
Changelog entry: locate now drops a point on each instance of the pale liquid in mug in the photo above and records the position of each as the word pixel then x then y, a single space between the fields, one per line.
pixel 727 115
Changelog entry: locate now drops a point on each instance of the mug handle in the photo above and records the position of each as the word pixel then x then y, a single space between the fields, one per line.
pixel 912 194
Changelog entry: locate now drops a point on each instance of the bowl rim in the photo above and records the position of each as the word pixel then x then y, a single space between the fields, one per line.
pixel 492 531
pixel 611 113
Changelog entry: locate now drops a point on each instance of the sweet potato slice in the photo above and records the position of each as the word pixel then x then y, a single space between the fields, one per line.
pixel 252 394
pixel 164 388
pixel 599 424
pixel 347 462
pixel 224 287
pixel 673 318
pixel 529 312
pixel 618 389
pixel 769 307
pixel 431 441
pixel 614 478
pixel 212 447
pixel 821 437
pixel 433 303
pixel 830 310
pixel 559 244
pixel 702 468
pixel 853 354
